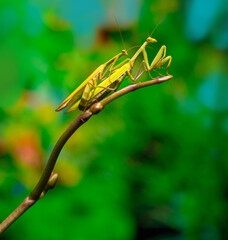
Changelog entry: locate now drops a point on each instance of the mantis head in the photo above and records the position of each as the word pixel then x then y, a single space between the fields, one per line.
pixel 124 52
pixel 151 40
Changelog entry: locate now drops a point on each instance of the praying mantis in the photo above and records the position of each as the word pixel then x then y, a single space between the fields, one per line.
pixel 91 92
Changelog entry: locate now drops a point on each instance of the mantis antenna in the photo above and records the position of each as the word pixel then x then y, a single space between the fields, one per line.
pixel 156 26
pixel 120 33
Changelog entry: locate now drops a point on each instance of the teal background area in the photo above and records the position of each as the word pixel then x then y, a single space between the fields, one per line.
pixel 153 164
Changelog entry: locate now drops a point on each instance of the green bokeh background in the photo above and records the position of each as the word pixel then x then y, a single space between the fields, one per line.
pixel 153 164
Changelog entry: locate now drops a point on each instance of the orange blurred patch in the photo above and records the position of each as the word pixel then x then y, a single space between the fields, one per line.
pixel 24 146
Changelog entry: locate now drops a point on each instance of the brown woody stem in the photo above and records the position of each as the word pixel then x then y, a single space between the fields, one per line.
pixel 48 178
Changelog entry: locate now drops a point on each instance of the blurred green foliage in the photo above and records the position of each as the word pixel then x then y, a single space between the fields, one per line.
pixel 153 164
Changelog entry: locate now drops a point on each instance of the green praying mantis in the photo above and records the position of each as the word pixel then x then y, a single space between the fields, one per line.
pixel 91 91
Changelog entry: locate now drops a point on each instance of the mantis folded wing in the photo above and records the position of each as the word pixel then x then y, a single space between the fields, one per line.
pixel 92 80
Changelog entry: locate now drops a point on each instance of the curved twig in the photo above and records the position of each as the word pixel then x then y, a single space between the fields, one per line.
pixel 48 178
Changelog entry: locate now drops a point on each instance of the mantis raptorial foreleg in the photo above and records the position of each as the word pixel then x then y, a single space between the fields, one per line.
pixel 158 61
pixel 163 61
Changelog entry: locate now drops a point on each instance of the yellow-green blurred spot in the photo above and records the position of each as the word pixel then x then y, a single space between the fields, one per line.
pixel 69 174
pixel 46 114
pixel 55 22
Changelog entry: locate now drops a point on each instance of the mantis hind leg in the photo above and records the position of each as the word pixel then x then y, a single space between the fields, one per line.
pixel 139 74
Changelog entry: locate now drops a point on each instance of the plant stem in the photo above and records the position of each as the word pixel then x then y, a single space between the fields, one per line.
pixel 35 194
pixel 23 207
pixel 41 185
pixel 133 87
pixel 47 180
